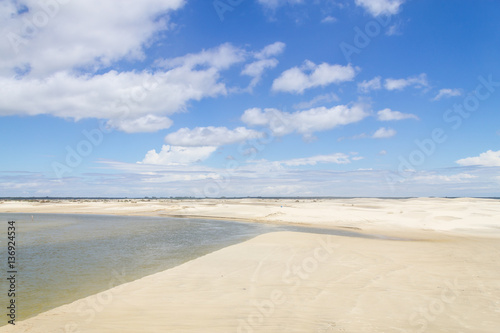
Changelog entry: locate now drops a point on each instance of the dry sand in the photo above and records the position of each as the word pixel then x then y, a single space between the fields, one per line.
pixel 444 277
pixel 461 214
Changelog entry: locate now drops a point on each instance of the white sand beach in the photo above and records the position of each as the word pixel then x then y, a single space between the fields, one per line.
pixel 440 276
pixel 365 214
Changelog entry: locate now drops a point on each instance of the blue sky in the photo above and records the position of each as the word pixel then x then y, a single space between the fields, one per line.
pixel 250 98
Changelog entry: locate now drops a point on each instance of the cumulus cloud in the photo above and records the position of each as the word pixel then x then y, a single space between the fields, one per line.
pixel 120 97
pixel 389 115
pixel 383 133
pixel 271 50
pixel 310 75
pixel 380 7
pixel 177 155
pixel 257 68
pixel 419 82
pixel 489 158
pixel 62 67
pixel 304 122
pixel 210 136
pixel 131 101
pixel 367 86
pixel 447 93
pixel 89 34
pixel 264 61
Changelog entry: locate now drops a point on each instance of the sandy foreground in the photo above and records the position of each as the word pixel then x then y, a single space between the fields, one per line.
pixel 441 276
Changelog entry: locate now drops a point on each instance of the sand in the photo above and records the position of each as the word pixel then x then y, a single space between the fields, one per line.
pixel 442 276
pixel 440 214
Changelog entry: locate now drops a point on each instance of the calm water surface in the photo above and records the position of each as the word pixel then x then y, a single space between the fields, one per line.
pixel 62 258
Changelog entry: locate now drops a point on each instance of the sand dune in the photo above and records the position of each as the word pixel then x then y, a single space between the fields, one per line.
pixel 442 278
pixel 461 214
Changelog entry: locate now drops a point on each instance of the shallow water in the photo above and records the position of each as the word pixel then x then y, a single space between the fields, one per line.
pixel 63 257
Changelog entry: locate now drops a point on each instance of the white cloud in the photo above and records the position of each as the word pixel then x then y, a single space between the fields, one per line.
pixel 210 136
pixel 389 115
pixel 271 50
pixel 382 152
pixel 273 4
pixel 256 69
pixel 177 155
pixel 116 96
pixel 148 123
pixel 394 30
pixel 310 75
pixel 329 19
pixel 442 179
pixel 304 122
pixel 419 81
pixel 220 58
pixel 337 158
pixel 326 98
pixel 130 100
pixel 367 86
pixel 89 34
pixel 253 179
pixel 383 133
pixel 447 93
pixel 264 166
pixel 58 64
pixel 356 137
pixel 380 7
pixel 489 158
